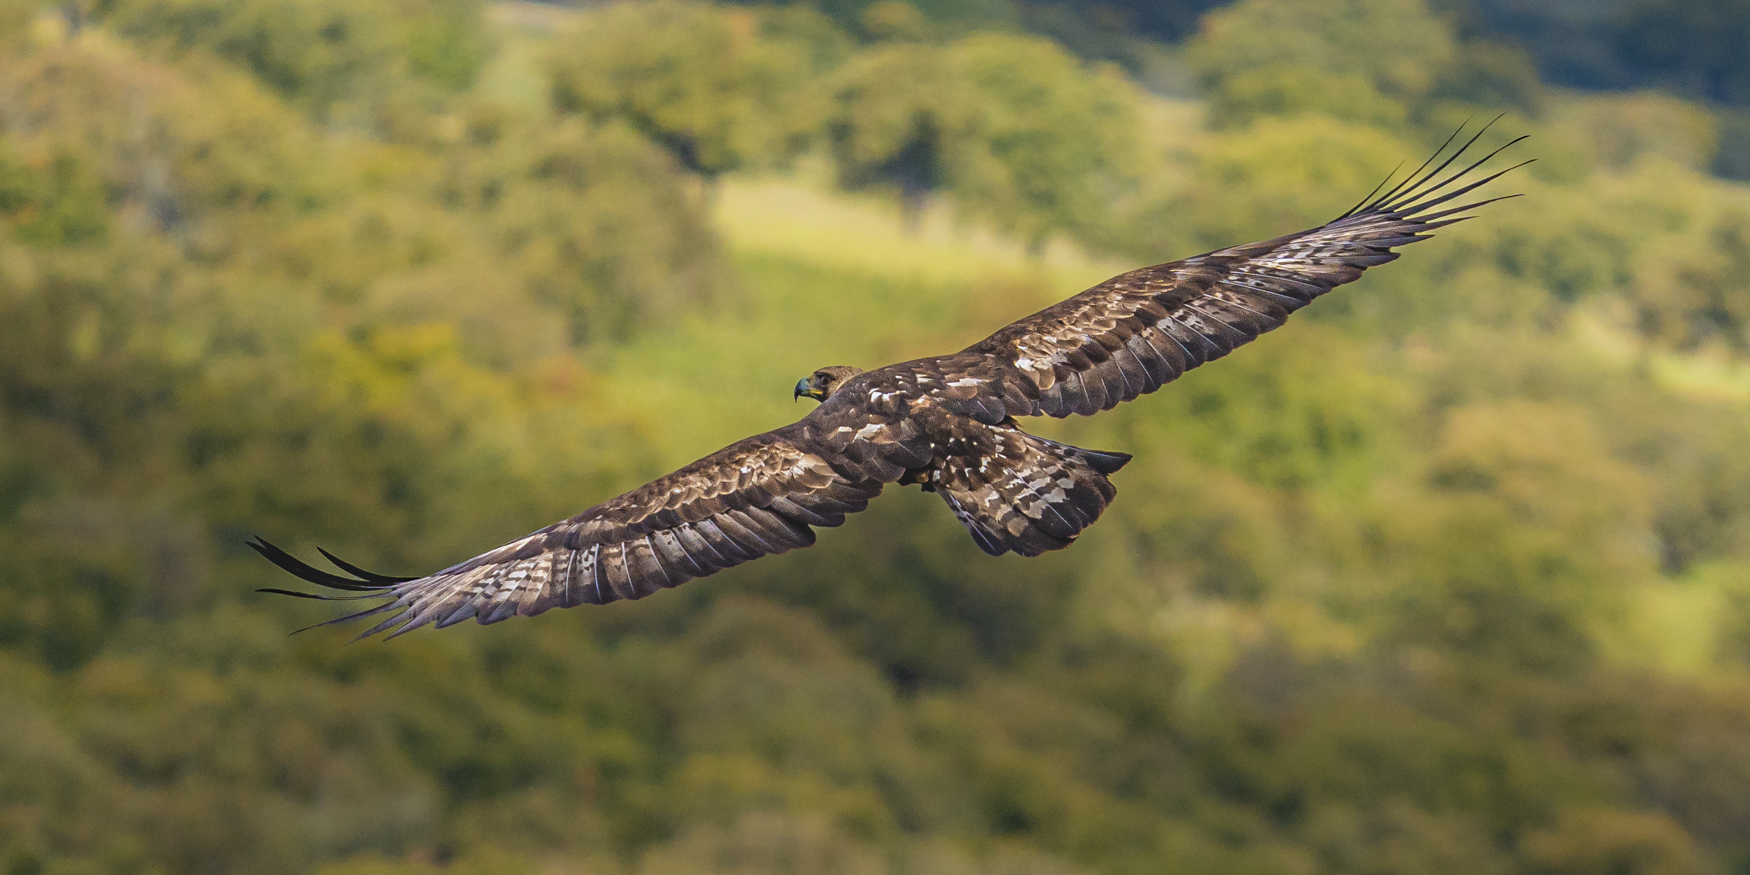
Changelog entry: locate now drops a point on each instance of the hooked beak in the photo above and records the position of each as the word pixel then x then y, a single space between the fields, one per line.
pixel 805 389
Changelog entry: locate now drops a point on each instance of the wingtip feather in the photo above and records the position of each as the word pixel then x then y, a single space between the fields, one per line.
pixel 1424 188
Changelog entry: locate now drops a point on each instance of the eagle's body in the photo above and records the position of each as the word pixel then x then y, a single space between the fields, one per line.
pixel 945 423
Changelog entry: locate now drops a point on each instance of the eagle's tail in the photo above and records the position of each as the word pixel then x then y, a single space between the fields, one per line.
pixel 1031 495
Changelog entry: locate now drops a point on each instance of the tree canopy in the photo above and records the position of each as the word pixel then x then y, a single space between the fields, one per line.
pixel 1021 135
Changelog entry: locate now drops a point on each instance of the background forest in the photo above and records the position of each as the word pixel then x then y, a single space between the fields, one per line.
pixel 1451 575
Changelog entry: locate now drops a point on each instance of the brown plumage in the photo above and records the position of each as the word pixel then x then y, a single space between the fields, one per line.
pixel 944 423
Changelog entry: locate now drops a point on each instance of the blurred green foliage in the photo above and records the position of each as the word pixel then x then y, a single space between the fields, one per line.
pixel 317 51
pixel 1022 137
pixel 695 78
pixel 1378 62
pixel 1692 46
pixel 1450 575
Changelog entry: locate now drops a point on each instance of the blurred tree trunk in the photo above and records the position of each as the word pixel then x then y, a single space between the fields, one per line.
pixel 912 200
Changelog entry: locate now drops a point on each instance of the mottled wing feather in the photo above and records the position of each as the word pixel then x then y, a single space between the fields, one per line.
pixel 1138 331
pixel 755 498
pixel 1025 493
pixel 870 425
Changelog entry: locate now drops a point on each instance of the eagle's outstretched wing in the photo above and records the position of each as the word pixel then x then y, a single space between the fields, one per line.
pixel 753 498
pixel 1137 331
pixel 1122 338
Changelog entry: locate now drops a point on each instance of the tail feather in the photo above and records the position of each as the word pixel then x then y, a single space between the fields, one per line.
pixel 1029 495
pixel 1099 460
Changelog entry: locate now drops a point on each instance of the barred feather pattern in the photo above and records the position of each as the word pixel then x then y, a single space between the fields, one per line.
pixel 755 498
pixel 1138 331
pixel 1024 493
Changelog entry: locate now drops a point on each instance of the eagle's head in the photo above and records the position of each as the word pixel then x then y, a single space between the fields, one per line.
pixel 821 383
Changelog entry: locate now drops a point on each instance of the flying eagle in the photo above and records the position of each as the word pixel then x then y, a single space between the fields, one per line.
pixel 946 424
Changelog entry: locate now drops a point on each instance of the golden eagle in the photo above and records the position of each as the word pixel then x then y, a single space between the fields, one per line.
pixel 945 423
